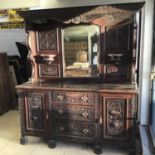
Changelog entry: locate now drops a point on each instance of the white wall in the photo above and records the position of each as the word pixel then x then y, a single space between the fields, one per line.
pixel 18 3
pixel 69 3
pixel 145 61
pixel 8 39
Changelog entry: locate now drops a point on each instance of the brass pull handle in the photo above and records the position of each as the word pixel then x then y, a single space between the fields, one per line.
pixel 84 99
pixel 60 98
pixel 35 118
pixel 85 131
pixel 61 128
pixel 60 111
pixel 85 115
pixel 116 113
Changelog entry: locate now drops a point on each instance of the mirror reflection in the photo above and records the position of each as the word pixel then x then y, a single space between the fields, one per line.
pixel 81 51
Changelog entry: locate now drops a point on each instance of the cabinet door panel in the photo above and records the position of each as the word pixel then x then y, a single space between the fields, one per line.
pixel 35 112
pixel 115 111
pixel 117 117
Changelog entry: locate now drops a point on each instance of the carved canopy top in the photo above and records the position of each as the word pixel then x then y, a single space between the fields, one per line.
pixel 112 14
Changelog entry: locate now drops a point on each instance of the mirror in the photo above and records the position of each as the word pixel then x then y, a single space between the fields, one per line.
pixel 81 49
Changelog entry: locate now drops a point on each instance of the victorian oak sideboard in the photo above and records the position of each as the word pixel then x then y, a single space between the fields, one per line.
pixel 83 85
pixel 92 113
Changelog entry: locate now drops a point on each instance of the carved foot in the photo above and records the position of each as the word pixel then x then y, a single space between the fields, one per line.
pixel 51 144
pixel 97 149
pixel 23 140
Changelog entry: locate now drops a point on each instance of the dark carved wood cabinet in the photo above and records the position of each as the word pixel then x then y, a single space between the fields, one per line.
pixel 80 89
pixel 119 111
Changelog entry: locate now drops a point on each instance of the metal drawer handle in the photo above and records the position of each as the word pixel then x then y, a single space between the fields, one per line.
pixel 84 99
pixel 35 118
pixel 61 128
pixel 60 111
pixel 60 98
pixel 85 131
pixel 85 115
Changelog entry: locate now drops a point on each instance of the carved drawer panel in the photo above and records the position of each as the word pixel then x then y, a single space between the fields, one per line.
pixel 115 118
pixel 35 111
pixel 74 129
pixel 73 113
pixel 49 70
pixel 81 98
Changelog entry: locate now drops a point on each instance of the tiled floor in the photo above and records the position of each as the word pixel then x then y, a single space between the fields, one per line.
pixel 9 142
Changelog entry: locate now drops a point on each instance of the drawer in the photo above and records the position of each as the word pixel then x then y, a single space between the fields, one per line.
pixel 73 113
pixel 74 129
pixel 67 97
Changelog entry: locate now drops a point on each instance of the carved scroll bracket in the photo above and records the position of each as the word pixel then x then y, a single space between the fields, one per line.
pixel 44 59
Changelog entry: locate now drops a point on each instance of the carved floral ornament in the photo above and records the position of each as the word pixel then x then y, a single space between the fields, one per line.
pixel 107 13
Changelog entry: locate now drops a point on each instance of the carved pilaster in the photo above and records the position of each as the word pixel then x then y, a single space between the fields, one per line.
pixel 23 139
pixel 98 118
pixel 134 106
pixel 36 111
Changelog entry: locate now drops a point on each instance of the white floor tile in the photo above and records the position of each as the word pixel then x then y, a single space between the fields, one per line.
pixel 10 145
pixel 15 148
pixel 43 149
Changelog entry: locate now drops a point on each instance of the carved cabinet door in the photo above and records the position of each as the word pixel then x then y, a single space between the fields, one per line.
pixel 46 55
pixel 49 47
pixel 119 111
pixel 35 112
pixel 117 52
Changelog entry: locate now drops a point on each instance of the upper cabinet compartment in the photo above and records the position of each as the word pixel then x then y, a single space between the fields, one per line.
pixel 118 44
pixel 48 54
pixel 83 42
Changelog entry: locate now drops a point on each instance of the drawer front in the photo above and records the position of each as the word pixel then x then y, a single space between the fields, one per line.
pixel 74 129
pixel 66 97
pixel 73 113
